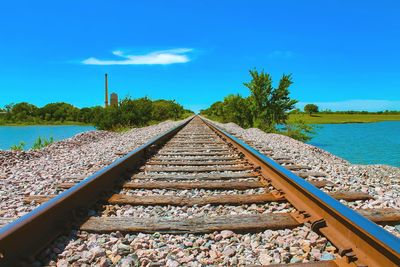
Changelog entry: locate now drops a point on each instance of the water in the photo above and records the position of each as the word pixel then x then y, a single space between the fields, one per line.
pixel 361 143
pixel 13 135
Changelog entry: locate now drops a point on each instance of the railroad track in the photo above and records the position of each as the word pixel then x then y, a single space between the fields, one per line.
pixel 197 164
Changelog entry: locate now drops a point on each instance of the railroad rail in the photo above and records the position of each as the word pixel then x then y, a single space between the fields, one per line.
pixel 197 154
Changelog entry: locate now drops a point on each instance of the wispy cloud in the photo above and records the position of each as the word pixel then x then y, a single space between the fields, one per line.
pixel 356 105
pixel 163 57
pixel 281 54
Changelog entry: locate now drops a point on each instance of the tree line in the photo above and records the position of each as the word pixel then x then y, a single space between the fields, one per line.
pixel 129 113
pixel 312 108
pixel 266 107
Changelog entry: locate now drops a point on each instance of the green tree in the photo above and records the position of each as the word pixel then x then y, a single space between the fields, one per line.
pixel 59 112
pixel 269 105
pixel 311 108
pixel 166 109
pixel 23 111
pixel 237 109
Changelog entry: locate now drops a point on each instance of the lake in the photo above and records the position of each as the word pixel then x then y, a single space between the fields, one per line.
pixel 13 135
pixel 361 143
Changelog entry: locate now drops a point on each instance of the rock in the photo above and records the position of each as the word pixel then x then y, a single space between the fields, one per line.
pixel 218 237
pixel 213 254
pixel 129 261
pixel 227 233
pixel 97 251
pixel 172 263
pixel 104 262
pixel 327 256
pixel 115 258
pixel 315 253
pixel 229 251
pixel 62 263
pixel 188 243
pixel 296 259
pixel 123 249
pixel 264 258
pixel 74 258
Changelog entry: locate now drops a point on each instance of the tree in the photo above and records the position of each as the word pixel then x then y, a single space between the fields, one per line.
pixel 311 108
pixel 23 111
pixel 237 109
pixel 59 111
pixel 269 105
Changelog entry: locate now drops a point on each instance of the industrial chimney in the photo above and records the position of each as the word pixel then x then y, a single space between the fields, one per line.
pixel 106 95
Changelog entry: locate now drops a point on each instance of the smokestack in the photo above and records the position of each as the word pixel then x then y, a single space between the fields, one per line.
pixel 106 95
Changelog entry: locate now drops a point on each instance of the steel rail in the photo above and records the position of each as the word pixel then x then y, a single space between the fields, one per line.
pixel 22 239
pixel 360 242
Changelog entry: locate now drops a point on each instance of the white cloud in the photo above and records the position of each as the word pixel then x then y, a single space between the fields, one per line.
pixel 281 54
pixel 356 105
pixel 163 57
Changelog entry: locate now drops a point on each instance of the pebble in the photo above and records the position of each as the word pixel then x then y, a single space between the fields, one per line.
pixel 38 172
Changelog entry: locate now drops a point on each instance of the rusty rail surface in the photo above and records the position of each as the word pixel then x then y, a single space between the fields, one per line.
pixel 22 239
pixel 360 242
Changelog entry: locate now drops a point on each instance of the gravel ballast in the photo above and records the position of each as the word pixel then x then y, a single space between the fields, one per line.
pixel 380 181
pixel 38 172
pixel 33 173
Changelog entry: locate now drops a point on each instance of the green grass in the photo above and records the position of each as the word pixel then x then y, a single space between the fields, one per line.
pixel 322 118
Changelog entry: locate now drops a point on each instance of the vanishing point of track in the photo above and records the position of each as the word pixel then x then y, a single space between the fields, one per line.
pixel 199 155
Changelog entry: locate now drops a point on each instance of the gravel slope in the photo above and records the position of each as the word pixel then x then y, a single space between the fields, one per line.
pixel 38 172
pixel 380 181
pixel 28 173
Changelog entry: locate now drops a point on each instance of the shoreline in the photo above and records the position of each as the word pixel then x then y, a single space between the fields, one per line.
pixel 339 118
pixel 45 124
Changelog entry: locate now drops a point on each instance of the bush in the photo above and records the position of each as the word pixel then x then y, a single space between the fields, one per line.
pixel 138 112
pixel 298 130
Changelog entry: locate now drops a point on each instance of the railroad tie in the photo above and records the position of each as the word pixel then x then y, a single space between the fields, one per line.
pixel 209 185
pixel 197 176
pixel 209 224
pixel 214 200
pixel 197 225
pixel 198 169
pixel 195 163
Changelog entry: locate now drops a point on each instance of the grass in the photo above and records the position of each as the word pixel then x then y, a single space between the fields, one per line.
pixel 322 118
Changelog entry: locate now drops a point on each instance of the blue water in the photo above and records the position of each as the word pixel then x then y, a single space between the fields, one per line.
pixel 361 143
pixel 13 135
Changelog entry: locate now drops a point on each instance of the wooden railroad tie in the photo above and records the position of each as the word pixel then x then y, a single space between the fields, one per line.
pixel 195 163
pixel 198 158
pixel 212 200
pixel 209 185
pixel 198 176
pixel 197 225
pixel 209 154
pixel 198 169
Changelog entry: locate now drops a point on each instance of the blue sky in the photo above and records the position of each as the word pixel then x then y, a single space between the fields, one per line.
pixel 342 54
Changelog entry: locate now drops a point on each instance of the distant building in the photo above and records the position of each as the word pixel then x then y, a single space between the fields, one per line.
pixel 114 99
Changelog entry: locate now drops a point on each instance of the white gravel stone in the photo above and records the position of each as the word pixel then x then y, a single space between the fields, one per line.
pixel 38 172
